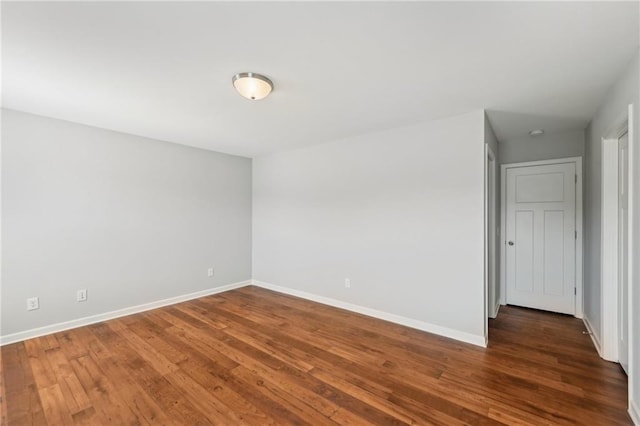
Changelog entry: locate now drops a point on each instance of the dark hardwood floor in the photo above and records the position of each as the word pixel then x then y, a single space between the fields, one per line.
pixel 251 356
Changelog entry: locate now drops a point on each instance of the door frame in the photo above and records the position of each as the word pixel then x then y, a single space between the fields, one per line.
pixel 492 305
pixel 579 301
pixel 609 241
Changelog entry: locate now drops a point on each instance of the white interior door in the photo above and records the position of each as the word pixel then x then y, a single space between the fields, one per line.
pixel 623 251
pixel 541 237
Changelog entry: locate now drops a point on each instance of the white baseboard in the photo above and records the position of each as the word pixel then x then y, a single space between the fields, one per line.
pixel 54 328
pixel 80 322
pixel 634 413
pixel 408 322
pixel 594 338
pixel 495 313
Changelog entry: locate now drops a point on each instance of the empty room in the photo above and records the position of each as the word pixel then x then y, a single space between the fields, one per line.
pixel 320 212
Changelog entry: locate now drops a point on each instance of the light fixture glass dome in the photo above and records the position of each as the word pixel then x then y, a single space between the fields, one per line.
pixel 252 86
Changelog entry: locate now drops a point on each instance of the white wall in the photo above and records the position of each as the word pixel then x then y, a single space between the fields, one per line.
pixel 544 147
pixel 398 212
pixel 624 92
pixel 131 219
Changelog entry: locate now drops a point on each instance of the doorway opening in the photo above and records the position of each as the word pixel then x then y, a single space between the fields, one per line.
pixel 616 248
pixel 492 288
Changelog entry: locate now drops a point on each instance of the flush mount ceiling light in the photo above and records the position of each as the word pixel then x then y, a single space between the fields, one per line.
pixel 536 132
pixel 252 86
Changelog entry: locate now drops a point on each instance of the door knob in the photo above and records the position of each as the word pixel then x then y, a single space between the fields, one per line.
pixel 510 243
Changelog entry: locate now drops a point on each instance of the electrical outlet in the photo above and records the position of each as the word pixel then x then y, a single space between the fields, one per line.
pixel 347 283
pixel 81 295
pixel 33 303
pixel 210 272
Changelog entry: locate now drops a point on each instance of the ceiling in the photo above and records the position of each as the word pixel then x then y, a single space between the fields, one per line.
pixel 163 69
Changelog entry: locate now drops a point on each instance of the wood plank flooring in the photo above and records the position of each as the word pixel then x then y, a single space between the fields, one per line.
pixel 251 356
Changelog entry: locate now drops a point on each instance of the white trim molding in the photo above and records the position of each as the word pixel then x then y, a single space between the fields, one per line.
pixel 80 322
pixel 609 248
pixel 634 413
pixel 490 253
pixel 579 302
pixel 594 337
pixel 494 314
pixel 408 322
